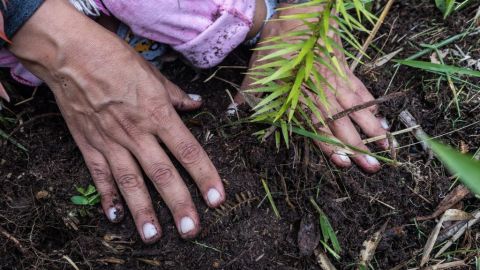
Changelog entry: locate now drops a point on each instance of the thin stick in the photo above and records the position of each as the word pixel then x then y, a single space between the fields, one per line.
pixel 14 240
pixel 382 137
pixel 285 189
pixel 365 105
pixel 372 35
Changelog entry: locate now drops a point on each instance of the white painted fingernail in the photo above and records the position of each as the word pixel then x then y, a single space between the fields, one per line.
pixel 213 196
pixel 186 225
pixel 371 160
pixel 112 214
pixel 195 97
pixel 149 231
pixel 384 123
pixel 343 156
pixel 232 109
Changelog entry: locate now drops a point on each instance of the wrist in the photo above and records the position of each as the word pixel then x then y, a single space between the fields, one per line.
pixel 48 44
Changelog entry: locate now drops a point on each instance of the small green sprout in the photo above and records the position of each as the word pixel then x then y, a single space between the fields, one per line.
pixel 87 197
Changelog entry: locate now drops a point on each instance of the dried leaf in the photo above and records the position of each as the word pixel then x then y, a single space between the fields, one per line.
pixel 150 262
pixel 449 265
pixel 448 202
pixel 308 235
pixel 111 260
pixel 450 215
pixel 384 59
pixel 370 246
pixel 323 261
pixel 460 232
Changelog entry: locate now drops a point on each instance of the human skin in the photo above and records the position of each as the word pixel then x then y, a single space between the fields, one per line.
pixel 117 108
pixel 348 93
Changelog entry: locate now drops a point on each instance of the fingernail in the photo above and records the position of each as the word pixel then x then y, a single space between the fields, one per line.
pixel 232 109
pixel 195 97
pixel 186 225
pixel 149 231
pixel 371 160
pixel 343 156
pixel 384 123
pixel 213 196
pixel 112 214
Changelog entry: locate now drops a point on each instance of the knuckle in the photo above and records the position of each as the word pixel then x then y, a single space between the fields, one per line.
pixel 162 114
pixel 100 173
pixel 181 205
pixel 143 212
pixel 189 152
pixel 129 127
pixel 162 175
pixel 129 181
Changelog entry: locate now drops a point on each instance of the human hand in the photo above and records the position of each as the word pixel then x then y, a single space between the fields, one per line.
pixel 346 94
pixel 117 107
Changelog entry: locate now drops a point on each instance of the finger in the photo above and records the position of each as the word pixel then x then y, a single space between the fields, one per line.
pixel 338 156
pixel 103 179
pixel 180 100
pixel 366 119
pixel 170 185
pixel 345 131
pixel 191 155
pixel 130 182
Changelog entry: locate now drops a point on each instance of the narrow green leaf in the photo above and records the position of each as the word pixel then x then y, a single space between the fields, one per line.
pixel 270 198
pixel 467 168
pixel 428 66
pixel 284 128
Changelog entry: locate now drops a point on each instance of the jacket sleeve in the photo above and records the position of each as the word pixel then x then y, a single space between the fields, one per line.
pixel 16 13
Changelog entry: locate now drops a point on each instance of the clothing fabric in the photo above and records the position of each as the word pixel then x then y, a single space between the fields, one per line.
pixel 204 31
pixel 16 13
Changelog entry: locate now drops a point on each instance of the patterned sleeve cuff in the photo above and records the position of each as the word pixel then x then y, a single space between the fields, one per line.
pixel 16 14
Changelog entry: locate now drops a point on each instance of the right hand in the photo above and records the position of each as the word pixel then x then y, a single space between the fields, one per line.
pixel 117 107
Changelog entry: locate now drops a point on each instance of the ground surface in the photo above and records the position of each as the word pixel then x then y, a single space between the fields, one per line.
pixel 356 203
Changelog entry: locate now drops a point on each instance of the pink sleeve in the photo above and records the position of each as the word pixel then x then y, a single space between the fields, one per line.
pixel 204 31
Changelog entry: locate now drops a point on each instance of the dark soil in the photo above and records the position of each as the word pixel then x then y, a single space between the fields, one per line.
pixel 356 203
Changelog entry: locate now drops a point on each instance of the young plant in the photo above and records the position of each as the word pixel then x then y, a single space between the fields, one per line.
pixel 87 197
pixel 289 76
pixel 329 238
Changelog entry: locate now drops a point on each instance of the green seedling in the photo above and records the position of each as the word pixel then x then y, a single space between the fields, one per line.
pixel 288 75
pixel 329 238
pixel 87 197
